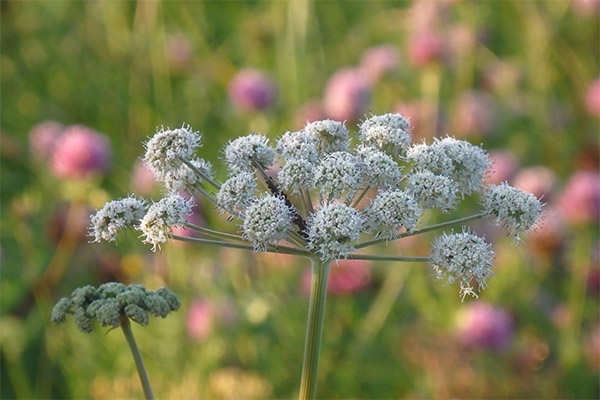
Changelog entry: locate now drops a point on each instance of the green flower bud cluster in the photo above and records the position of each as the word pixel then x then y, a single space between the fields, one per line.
pixel 110 301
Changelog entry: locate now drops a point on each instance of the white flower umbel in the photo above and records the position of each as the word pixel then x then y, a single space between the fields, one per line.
pixel 389 132
pixel 267 221
pixel 459 160
pixel 114 216
pixel 296 175
pixel 298 146
pixel 391 211
pixel 462 257
pixel 243 152
pixel 331 230
pixel 166 149
pixel 237 193
pixel 329 136
pixel 162 216
pixel 338 172
pixel 185 178
pixel 514 209
pixel 380 170
pixel 433 191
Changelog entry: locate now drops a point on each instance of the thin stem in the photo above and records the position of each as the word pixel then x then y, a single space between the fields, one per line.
pixel 271 249
pixel 137 357
pixel 314 328
pixel 422 230
pixel 362 194
pixel 373 257
pixel 202 174
pixel 213 233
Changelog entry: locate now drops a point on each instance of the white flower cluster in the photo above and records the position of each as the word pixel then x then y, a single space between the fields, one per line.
pixel 162 216
pixel 389 132
pixel 332 229
pixel 462 257
pixel 114 216
pixel 311 189
pixel 167 149
pixel 514 209
pixel 267 221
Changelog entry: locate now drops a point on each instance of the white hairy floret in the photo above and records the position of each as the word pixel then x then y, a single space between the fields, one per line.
pixel 166 149
pixel 296 175
pixel 329 136
pixel 243 152
pixel 462 257
pixel 162 216
pixel 338 172
pixel 514 209
pixel 391 211
pixel 267 221
pixel 332 229
pixel 116 215
pixel 459 160
pixel 433 191
pixel 380 170
pixel 237 193
pixel 299 146
pixel 185 178
pixel 389 132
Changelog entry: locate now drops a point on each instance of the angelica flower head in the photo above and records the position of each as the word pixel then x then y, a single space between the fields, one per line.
pixel 379 169
pixel 331 230
pixel 267 221
pixel 328 135
pixel 162 216
pixel 337 173
pixel 296 175
pixel 168 147
pixel 391 211
pixel 459 160
pixel 236 193
pixel 433 191
pixel 242 153
pixel 462 257
pixel 389 132
pixel 298 145
pixel 114 216
pixel 514 209
pixel 185 178
pixel 111 301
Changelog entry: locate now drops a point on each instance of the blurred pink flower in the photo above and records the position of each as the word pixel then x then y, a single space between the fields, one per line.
pixel 592 98
pixel 142 179
pixel 424 47
pixel 474 114
pixel 80 152
pixel 586 7
pixel 580 199
pixel 537 180
pixel 505 163
pixel 347 95
pixel 309 112
pixel 379 60
pixel 592 347
pixel 349 276
pixel 199 321
pixel 482 325
pixel 252 90
pixel 178 50
pixel 43 137
pixel 461 41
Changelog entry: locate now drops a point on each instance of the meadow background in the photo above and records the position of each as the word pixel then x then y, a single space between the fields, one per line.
pixel 520 77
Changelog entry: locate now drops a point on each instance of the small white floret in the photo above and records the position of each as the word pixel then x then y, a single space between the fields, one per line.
pixel 338 172
pixel 114 216
pixel 166 149
pixel 328 135
pixel 389 132
pixel 391 211
pixel 162 216
pixel 267 221
pixel 331 230
pixel 242 153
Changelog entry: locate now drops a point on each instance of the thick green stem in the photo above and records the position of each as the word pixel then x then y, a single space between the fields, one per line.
pixel 314 328
pixel 137 357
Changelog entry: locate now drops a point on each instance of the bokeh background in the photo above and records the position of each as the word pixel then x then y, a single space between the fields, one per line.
pixel 85 83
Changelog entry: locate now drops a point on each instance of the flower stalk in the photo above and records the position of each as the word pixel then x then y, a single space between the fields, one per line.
pixel 137 357
pixel 314 328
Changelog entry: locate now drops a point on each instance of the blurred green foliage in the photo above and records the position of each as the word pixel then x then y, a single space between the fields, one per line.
pixel 110 65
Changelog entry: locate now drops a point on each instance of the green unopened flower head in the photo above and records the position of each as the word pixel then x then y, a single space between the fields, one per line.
pixel 111 301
